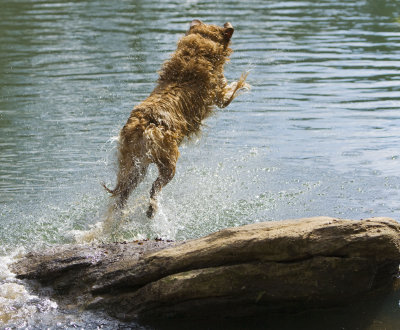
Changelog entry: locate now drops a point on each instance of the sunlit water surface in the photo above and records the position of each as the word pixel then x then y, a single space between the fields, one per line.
pixel 317 135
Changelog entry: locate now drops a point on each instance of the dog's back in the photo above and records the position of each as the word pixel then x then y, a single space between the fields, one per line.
pixel 191 83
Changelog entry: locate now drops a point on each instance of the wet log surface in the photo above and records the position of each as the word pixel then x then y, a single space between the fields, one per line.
pixel 284 266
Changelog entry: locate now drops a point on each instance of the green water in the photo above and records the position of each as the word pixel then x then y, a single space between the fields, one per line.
pixel 317 135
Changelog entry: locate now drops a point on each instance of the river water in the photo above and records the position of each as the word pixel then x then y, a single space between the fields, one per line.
pixel 317 135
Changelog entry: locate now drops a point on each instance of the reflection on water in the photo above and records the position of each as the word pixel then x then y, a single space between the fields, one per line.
pixel 317 135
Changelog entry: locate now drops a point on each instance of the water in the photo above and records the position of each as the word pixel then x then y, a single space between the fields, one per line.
pixel 317 134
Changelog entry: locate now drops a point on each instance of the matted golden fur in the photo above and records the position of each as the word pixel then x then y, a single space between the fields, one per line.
pixel 191 83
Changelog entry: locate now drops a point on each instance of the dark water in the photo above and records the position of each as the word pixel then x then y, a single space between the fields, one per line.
pixel 317 135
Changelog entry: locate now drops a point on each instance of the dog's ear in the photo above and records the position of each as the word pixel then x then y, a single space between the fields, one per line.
pixel 195 22
pixel 228 30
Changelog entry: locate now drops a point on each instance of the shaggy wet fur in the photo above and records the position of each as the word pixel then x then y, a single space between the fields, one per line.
pixel 191 83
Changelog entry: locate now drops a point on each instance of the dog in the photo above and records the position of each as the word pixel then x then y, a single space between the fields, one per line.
pixel 191 83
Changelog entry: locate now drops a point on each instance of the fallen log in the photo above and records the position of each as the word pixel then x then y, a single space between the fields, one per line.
pixel 282 266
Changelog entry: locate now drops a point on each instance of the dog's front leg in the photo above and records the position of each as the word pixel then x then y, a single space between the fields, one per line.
pixel 232 90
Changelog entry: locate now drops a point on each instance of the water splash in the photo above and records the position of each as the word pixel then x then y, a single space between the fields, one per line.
pixel 17 305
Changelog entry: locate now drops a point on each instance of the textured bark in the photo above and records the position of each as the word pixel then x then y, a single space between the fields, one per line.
pixel 270 266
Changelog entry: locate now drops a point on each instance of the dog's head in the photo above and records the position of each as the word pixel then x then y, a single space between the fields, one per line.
pixel 200 54
pixel 220 34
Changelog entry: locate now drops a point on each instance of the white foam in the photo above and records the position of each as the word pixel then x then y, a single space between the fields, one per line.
pixel 5 273
pixel 17 305
pixel 95 233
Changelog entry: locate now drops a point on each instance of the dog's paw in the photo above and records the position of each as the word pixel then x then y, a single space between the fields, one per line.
pixel 151 211
pixel 246 87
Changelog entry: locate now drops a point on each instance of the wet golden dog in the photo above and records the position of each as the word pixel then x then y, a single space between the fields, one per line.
pixel 190 85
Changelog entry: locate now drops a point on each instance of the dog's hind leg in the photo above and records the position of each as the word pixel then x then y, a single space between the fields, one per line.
pixel 128 180
pixel 166 163
pixel 130 174
pixel 166 173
